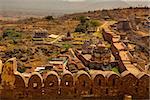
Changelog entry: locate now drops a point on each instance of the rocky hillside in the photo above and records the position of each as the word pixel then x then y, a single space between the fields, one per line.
pixel 114 14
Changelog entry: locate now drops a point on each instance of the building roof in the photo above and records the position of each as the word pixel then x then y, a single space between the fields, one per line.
pixel 87 56
pixel 132 69
pixel 53 36
pixel 120 46
pixel 131 46
pixel 56 62
pixel 116 39
pixel 39 68
pixel 41 31
pixel 124 56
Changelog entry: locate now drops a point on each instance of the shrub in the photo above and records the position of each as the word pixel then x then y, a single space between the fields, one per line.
pixel 82 19
pixel 85 24
pixel 49 59
pixel 49 18
pixel 81 28
pixel 67 46
pixel 11 34
pixel 21 70
pixel 115 69
pixel 94 23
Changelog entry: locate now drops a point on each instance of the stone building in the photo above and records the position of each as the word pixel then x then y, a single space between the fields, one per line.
pixel 101 54
pixel 41 33
pixel 86 47
pixel 123 25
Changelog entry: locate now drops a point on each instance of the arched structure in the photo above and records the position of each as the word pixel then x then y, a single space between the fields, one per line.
pixel 113 83
pixel 35 85
pixel 67 84
pixel 20 86
pixel 99 83
pixel 83 83
pixel 129 83
pixel 143 85
pixel 51 84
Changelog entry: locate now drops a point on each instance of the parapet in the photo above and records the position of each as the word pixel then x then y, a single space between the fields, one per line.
pixel 103 84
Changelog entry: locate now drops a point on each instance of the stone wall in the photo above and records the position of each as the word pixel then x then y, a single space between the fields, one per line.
pixel 108 37
pixel 100 84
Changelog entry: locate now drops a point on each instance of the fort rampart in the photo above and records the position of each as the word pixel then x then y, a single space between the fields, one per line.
pixel 99 84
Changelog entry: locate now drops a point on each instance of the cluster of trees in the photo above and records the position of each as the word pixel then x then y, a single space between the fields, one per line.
pixel 85 24
pixel 11 35
pixel 49 18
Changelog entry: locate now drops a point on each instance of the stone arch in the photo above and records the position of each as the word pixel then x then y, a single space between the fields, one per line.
pixel 129 83
pixel 67 84
pixel 113 79
pixel 35 85
pixel 113 83
pixel 83 83
pixel 51 84
pixel 143 85
pixel 99 83
pixel 20 86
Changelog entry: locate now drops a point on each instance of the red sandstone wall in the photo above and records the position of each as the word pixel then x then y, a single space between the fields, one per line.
pixel 108 37
pixel 103 85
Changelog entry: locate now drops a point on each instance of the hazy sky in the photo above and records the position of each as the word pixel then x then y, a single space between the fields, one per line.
pixel 99 0
pixel 65 6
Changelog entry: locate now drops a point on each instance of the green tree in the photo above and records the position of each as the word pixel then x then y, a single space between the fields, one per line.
pixel 94 23
pixel 49 18
pixel 11 34
pixel 81 28
pixel 82 19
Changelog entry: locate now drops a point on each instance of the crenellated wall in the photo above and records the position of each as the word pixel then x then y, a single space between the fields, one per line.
pixel 100 84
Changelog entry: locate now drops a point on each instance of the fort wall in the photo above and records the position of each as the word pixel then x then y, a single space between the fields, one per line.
pixel 102 84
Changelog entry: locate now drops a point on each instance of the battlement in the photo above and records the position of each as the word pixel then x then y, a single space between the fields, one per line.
pixel 100 84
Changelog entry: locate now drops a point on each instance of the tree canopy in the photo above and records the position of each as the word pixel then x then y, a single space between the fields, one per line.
pixel 49 18
pixel 11 34
pixel 85 24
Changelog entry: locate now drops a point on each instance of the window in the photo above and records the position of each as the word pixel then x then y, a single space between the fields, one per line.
pixel 67 83
pixel 35 85
pixel 51 84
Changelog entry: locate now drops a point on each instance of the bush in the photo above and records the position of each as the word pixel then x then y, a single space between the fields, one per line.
pixel 86 23
pixel 81 28
pixel 11 34
pixel 67 46
pixel 82 19
pixel 115 69
pixel 49 18
pixel 94 23
pixel 49 59
pixel 21 70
